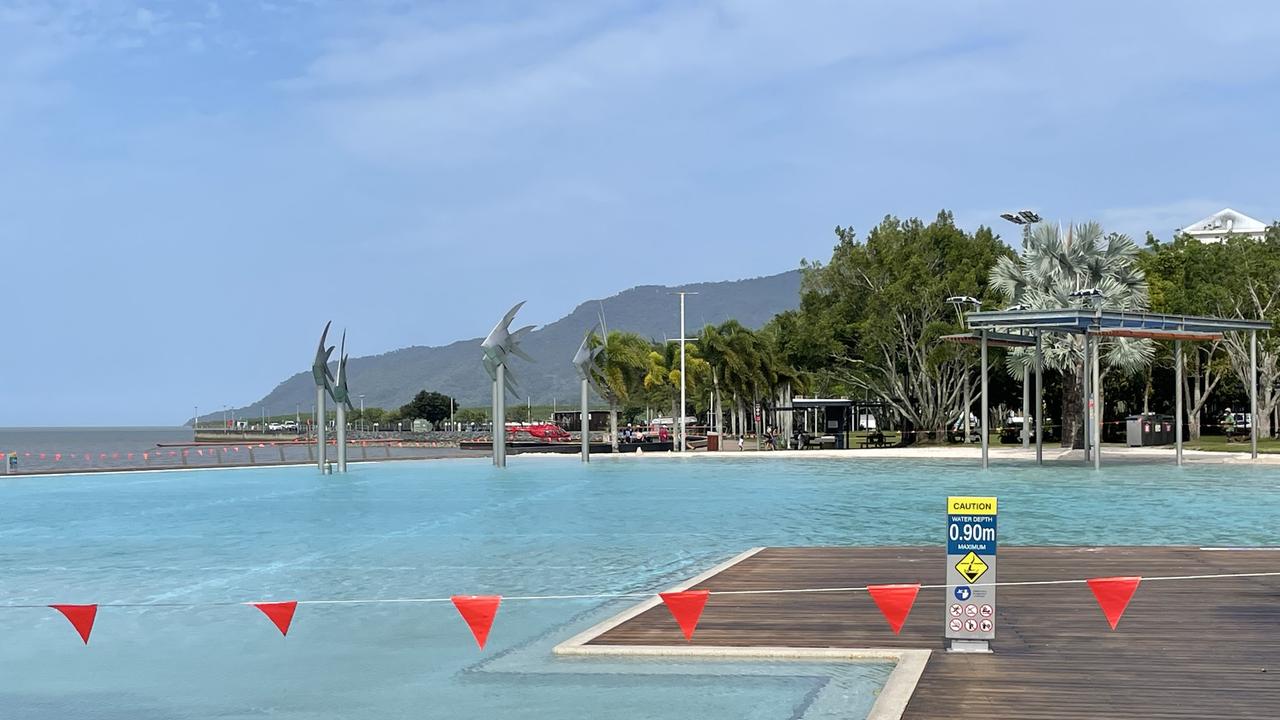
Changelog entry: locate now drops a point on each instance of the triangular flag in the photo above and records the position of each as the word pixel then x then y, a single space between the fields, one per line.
pixel 895 602
pixel 478 611
pixel 1113 594
pixel 686 607
pixel 81 617
pixel 280 613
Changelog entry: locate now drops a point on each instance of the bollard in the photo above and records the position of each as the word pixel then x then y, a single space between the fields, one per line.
pixel 251 459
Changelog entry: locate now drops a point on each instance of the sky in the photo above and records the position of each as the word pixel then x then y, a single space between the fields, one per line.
pixel 179 179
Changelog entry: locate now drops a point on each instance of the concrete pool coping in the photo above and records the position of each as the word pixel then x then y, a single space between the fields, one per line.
pixel 909 663
pixel 973 453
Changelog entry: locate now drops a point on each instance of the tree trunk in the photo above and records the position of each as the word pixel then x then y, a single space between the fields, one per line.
pixel 613 425
pixel 1072 411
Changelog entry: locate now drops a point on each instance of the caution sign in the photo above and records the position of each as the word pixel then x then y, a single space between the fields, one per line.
pixel 971 572
pixel 971 567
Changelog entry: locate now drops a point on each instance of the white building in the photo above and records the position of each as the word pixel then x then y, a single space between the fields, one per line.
pixel 1216 227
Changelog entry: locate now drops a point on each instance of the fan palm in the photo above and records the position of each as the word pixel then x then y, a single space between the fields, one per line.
pixel 1050 268
pixel 619 371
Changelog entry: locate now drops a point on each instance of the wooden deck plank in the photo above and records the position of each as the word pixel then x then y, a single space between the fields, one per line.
pixel 1199 648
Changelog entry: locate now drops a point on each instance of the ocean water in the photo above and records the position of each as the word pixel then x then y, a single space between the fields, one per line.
pixel 543 526
pixel 127 448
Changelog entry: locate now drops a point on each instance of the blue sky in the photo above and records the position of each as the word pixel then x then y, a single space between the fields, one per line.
pixel 175 176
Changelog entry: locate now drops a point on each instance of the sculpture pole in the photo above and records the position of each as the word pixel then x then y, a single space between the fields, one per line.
pixel 320 439
pixel 341 426
pixel 583 361
pixel 324 385
pixel 586 424
pixel 499 344
pixel 500 419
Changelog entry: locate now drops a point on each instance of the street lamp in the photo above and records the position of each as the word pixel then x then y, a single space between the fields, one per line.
pixel 1024 218
pixel 958 302
pixel 681 443
pixel 362 423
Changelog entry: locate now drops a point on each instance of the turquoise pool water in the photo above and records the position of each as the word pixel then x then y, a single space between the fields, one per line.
pixel 543 526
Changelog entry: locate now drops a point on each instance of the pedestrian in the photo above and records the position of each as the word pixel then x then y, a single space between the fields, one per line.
pixel 739 442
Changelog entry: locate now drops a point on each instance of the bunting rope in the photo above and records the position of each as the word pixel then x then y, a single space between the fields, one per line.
pixel 622 596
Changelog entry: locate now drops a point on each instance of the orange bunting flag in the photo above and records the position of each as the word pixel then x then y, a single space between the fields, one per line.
pixel 81 618
pixel 280 613
pixel 686 607
pixel 1113 595
pixel 895 602
pixel 478 611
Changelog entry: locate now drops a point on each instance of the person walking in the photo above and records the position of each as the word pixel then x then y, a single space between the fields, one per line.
pixel 739 442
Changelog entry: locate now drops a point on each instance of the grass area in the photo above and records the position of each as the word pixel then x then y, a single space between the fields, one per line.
pixel 1218 443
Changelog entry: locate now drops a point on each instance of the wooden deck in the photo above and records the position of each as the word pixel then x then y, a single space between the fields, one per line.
pixel 1184 649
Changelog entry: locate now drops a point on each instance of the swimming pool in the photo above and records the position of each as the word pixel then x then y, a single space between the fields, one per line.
pixel 542 526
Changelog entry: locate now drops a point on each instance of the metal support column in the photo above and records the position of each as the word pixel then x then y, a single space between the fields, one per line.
pixel 986 462
pixel 682 444
pixel 586 425
pixel 1039 399
pixel 320 444
pixel 1026 408
pixel 1085 414
pixel 1253 394
pixel 500 419
pixel 1097 406
pixel 1177 403
pixel 341 426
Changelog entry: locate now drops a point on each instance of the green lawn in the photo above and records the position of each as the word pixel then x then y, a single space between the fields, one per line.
pixel 1218 443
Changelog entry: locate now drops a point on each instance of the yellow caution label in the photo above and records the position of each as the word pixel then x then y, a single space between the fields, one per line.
pixel 971 506
pixel 971 567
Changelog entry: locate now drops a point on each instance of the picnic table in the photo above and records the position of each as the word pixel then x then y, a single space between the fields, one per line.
pixel 875 439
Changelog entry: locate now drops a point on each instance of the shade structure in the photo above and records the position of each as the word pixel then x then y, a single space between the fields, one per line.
pixel 998 327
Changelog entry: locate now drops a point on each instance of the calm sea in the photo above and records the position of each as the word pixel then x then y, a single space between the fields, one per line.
pixel 67 447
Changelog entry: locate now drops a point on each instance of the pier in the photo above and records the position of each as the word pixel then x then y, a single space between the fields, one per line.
pixel 1184 649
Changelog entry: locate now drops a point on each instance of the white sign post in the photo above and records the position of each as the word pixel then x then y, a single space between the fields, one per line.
pixel 971 574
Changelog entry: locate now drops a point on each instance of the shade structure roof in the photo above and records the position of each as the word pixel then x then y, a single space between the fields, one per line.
pixel 994 339
pixel 1082 320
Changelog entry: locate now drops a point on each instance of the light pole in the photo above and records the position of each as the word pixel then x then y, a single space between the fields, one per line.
pixel 1092 379
pixel 225 427
pixel 362 423
pixel 195 422
pixel 1025 219
pixel 681 441
pixel 958 301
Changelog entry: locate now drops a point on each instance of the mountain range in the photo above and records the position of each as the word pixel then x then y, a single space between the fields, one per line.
pixel 391 379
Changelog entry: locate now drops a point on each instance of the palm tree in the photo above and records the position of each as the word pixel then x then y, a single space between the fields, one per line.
pixel 619 372
pixel 1051 267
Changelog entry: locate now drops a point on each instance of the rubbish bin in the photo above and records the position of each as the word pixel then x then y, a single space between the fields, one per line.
pixel 713 441
pixel 1138 430
pixel 1149 429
